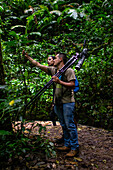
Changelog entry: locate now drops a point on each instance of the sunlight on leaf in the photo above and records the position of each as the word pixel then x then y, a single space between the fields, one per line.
pixel 73 13
pixel 16 26
pixel 11 103
pixel 0 31
pixel 35 33
pixel 1 8
pixel 56 12
pixel 26 131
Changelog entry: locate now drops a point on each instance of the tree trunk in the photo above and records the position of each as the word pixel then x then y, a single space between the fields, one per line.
pixel 2 77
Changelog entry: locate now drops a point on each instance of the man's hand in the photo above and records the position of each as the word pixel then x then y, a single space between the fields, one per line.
pixel 70 84
pixel 56 79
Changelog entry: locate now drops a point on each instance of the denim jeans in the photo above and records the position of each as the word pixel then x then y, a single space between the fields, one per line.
pixel 65 114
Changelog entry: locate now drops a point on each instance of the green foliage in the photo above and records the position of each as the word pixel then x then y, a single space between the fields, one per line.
pixel 61 26
pixel 12 145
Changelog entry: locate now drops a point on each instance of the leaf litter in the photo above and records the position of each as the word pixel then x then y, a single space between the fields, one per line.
pixel 96 149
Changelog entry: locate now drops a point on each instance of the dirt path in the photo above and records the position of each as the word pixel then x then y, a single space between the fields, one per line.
pixel 96 149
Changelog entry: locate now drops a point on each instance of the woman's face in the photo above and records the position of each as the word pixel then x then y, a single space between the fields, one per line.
pixel 50 61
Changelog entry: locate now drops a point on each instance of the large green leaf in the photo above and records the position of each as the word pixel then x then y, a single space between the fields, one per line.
pixel 4 132
pixel 17 26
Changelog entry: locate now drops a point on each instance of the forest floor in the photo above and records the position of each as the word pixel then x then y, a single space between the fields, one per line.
pixel 96 150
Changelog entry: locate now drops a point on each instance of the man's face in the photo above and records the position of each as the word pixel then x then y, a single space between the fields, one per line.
pixel 57 60
pixel 50 61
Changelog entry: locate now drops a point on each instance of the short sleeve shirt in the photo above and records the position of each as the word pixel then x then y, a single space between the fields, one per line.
pixel 63 94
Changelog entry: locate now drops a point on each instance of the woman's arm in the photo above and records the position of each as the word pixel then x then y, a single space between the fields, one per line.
pixel 37 64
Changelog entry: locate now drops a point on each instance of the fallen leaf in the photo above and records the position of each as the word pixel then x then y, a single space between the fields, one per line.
pixel 73 163
pixel 57 161
pixel 78 159
pixel 104 161
pixel 78 129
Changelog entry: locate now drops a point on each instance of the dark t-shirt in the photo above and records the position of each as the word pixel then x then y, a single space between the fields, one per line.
pixel 62 93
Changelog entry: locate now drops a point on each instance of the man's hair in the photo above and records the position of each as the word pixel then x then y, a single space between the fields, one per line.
pixel 63 56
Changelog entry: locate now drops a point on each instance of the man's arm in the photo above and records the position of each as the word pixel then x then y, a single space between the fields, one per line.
pixel 70 84
pixel 37 64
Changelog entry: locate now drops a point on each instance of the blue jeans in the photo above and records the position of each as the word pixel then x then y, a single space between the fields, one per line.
pixel 66 118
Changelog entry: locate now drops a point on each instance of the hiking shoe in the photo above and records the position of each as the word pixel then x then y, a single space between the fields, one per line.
pixel 73 153
pixel 63 148
pixel 60 140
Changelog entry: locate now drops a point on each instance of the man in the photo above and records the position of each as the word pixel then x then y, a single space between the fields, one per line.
pixel 64 102
pixel 50 61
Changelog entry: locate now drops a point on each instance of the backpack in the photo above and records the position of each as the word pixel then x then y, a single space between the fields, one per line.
pixel 76 89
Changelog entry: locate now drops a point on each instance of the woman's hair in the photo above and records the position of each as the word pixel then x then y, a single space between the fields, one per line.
pixel 53 57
